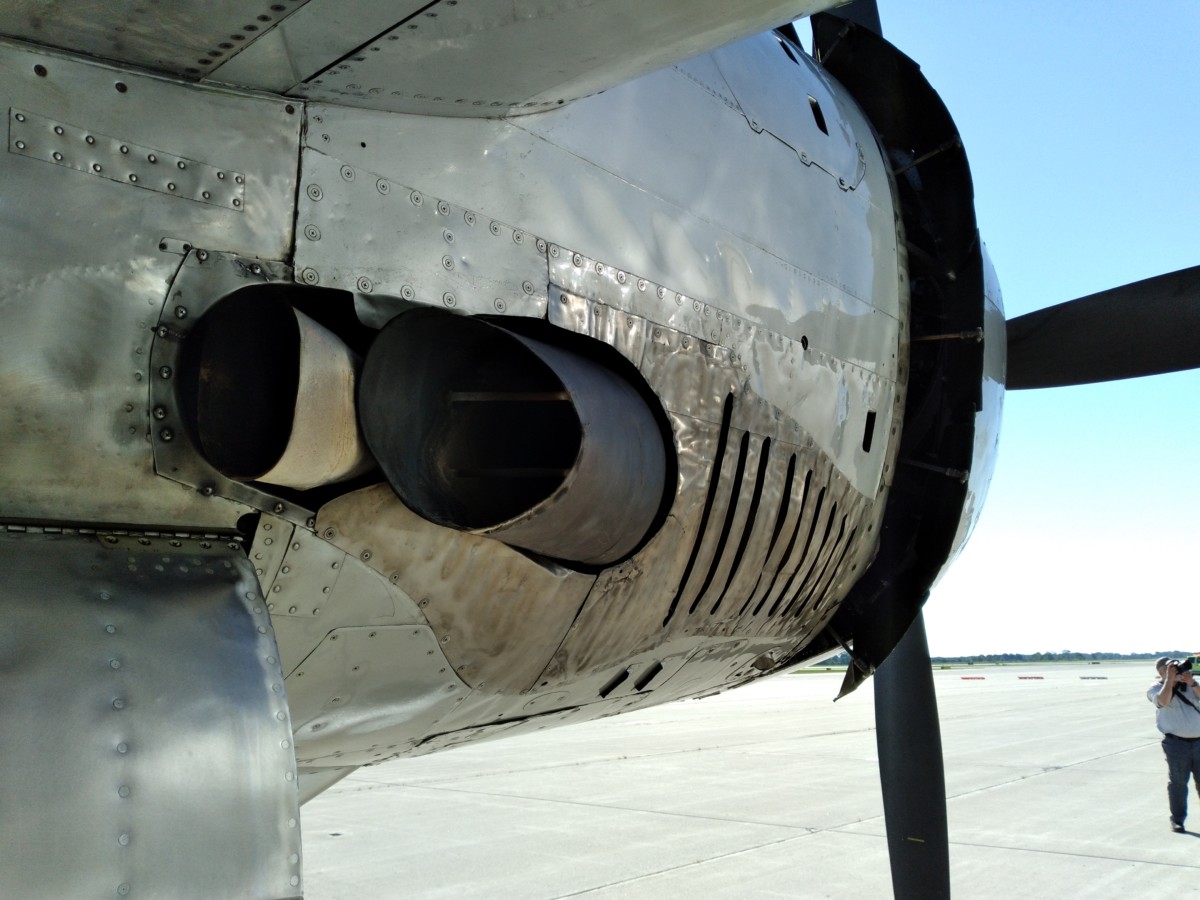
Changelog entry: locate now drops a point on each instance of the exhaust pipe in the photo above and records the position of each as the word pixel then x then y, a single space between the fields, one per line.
pixel 485 430
pixel 273 395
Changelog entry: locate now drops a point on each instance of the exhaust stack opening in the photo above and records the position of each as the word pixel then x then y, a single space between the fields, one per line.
pixel 485 430
pixel 270 394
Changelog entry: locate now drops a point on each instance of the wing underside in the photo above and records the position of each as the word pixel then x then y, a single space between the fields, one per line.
pixel 448 57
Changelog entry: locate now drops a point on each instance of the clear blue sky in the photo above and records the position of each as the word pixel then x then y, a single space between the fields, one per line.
pixel 1080 122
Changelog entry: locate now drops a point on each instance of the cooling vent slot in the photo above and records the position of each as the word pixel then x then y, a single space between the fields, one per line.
pixel 713 487
pixel 811 533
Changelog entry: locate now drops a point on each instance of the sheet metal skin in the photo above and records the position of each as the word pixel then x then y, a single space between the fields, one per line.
pixel 447 57
pixel 87 263
pixel 760 292
pixel 146 732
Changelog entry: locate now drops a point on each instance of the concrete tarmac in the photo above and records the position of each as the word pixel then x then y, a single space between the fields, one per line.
pixel 1054 774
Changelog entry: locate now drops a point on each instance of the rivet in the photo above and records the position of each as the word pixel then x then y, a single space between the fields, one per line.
pixel 278 508
pixel 123 890
pixel 123 791
pixel 448 299
pixel 443 207
pixel 122 747
pixel 364 285
pixel 317 611
pixel 276 589
pixel 20 145
pixel 123 840
pixel 407 292
pixel 577 259
pixel 416 198
pixel 527 287
pixel 167 435
pixel 310 276
pixel 160 412
pixel 366 554
pixel 447 263
pixel 315 192
pixel 118 703
pixel 170 185
pixel 202 255
pixel 105 595
pixel 57 156
pixel 111 629
pixel 114 664
pixel 90 139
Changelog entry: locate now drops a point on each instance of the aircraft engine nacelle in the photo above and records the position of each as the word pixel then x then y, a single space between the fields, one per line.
pixel 484 429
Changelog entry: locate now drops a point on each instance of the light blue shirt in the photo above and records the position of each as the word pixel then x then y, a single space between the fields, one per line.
pixel 1177 717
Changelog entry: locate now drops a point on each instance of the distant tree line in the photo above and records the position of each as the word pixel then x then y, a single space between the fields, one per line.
pixel 843 659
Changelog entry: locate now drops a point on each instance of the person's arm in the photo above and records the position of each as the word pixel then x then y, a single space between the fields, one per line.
pixel 1190 681
pixel 1168 687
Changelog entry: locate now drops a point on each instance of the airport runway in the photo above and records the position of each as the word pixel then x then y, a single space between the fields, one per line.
pixel 1055 778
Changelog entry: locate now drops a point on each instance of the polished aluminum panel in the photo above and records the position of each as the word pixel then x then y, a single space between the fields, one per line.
pixel 395 247
pixel 151 169
pixel 488 59
pixel 441 58
pixel 499 613
pixel 87 262
pixel 145 714
pixel 380 694
pixel 784 95
pixel 167 35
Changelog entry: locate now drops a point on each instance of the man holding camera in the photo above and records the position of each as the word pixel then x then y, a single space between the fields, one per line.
pixel 1176 698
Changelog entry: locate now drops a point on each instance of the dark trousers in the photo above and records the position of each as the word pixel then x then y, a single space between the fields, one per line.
pixel 1183 760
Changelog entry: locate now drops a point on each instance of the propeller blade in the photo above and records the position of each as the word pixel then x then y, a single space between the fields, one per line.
pixel 1145 328
pixel 910 769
